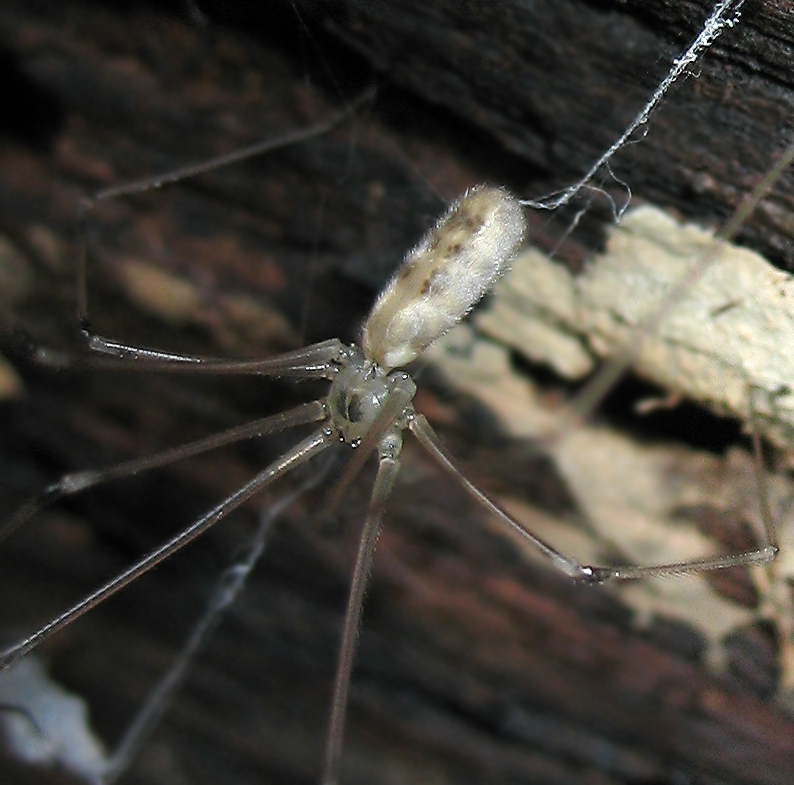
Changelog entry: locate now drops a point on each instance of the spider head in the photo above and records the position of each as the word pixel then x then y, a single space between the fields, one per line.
pixel 358 393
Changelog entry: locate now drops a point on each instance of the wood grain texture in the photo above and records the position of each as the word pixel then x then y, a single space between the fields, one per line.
pixel 474 667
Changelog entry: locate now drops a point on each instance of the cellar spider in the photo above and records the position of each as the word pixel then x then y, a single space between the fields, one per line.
pixel 143 363
pixel 369 407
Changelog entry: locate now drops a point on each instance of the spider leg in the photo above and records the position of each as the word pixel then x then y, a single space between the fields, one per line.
pixel 300 453
pixel 311 362
pixel 428 438
pixel 765 553
pixel 384 482
pixel 594 392
pixel 595 574
pixel 277 366
pixel 231 583
pixel 287 139
pixel 76 482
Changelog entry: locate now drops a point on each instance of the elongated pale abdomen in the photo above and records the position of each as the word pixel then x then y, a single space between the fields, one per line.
pixel 439 282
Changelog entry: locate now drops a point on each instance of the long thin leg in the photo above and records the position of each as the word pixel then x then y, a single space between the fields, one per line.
pixel 594 392
pixel 299 454
pixel 588 573
pixel 77 482
pixel 231 583
pixel 237 156
pixel 384 482
pixel 311 362
pixel 113 348
pixel 428 438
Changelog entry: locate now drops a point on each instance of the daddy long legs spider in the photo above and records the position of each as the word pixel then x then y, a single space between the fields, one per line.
pixel 536 666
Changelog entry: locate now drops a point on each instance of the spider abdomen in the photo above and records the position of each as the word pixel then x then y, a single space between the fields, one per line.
pixel 445 275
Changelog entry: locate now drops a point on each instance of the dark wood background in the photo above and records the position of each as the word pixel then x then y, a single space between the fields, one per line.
pixel 474 667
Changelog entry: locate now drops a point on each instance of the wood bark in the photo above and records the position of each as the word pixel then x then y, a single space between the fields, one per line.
pixel 474 667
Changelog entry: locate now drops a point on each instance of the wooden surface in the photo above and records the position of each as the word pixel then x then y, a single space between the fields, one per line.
pixel 474 667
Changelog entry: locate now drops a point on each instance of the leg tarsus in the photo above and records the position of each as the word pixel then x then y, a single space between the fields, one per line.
pixel 628 572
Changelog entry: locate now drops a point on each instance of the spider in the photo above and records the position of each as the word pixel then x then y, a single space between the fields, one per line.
pixel 369 406
pixel 338 361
